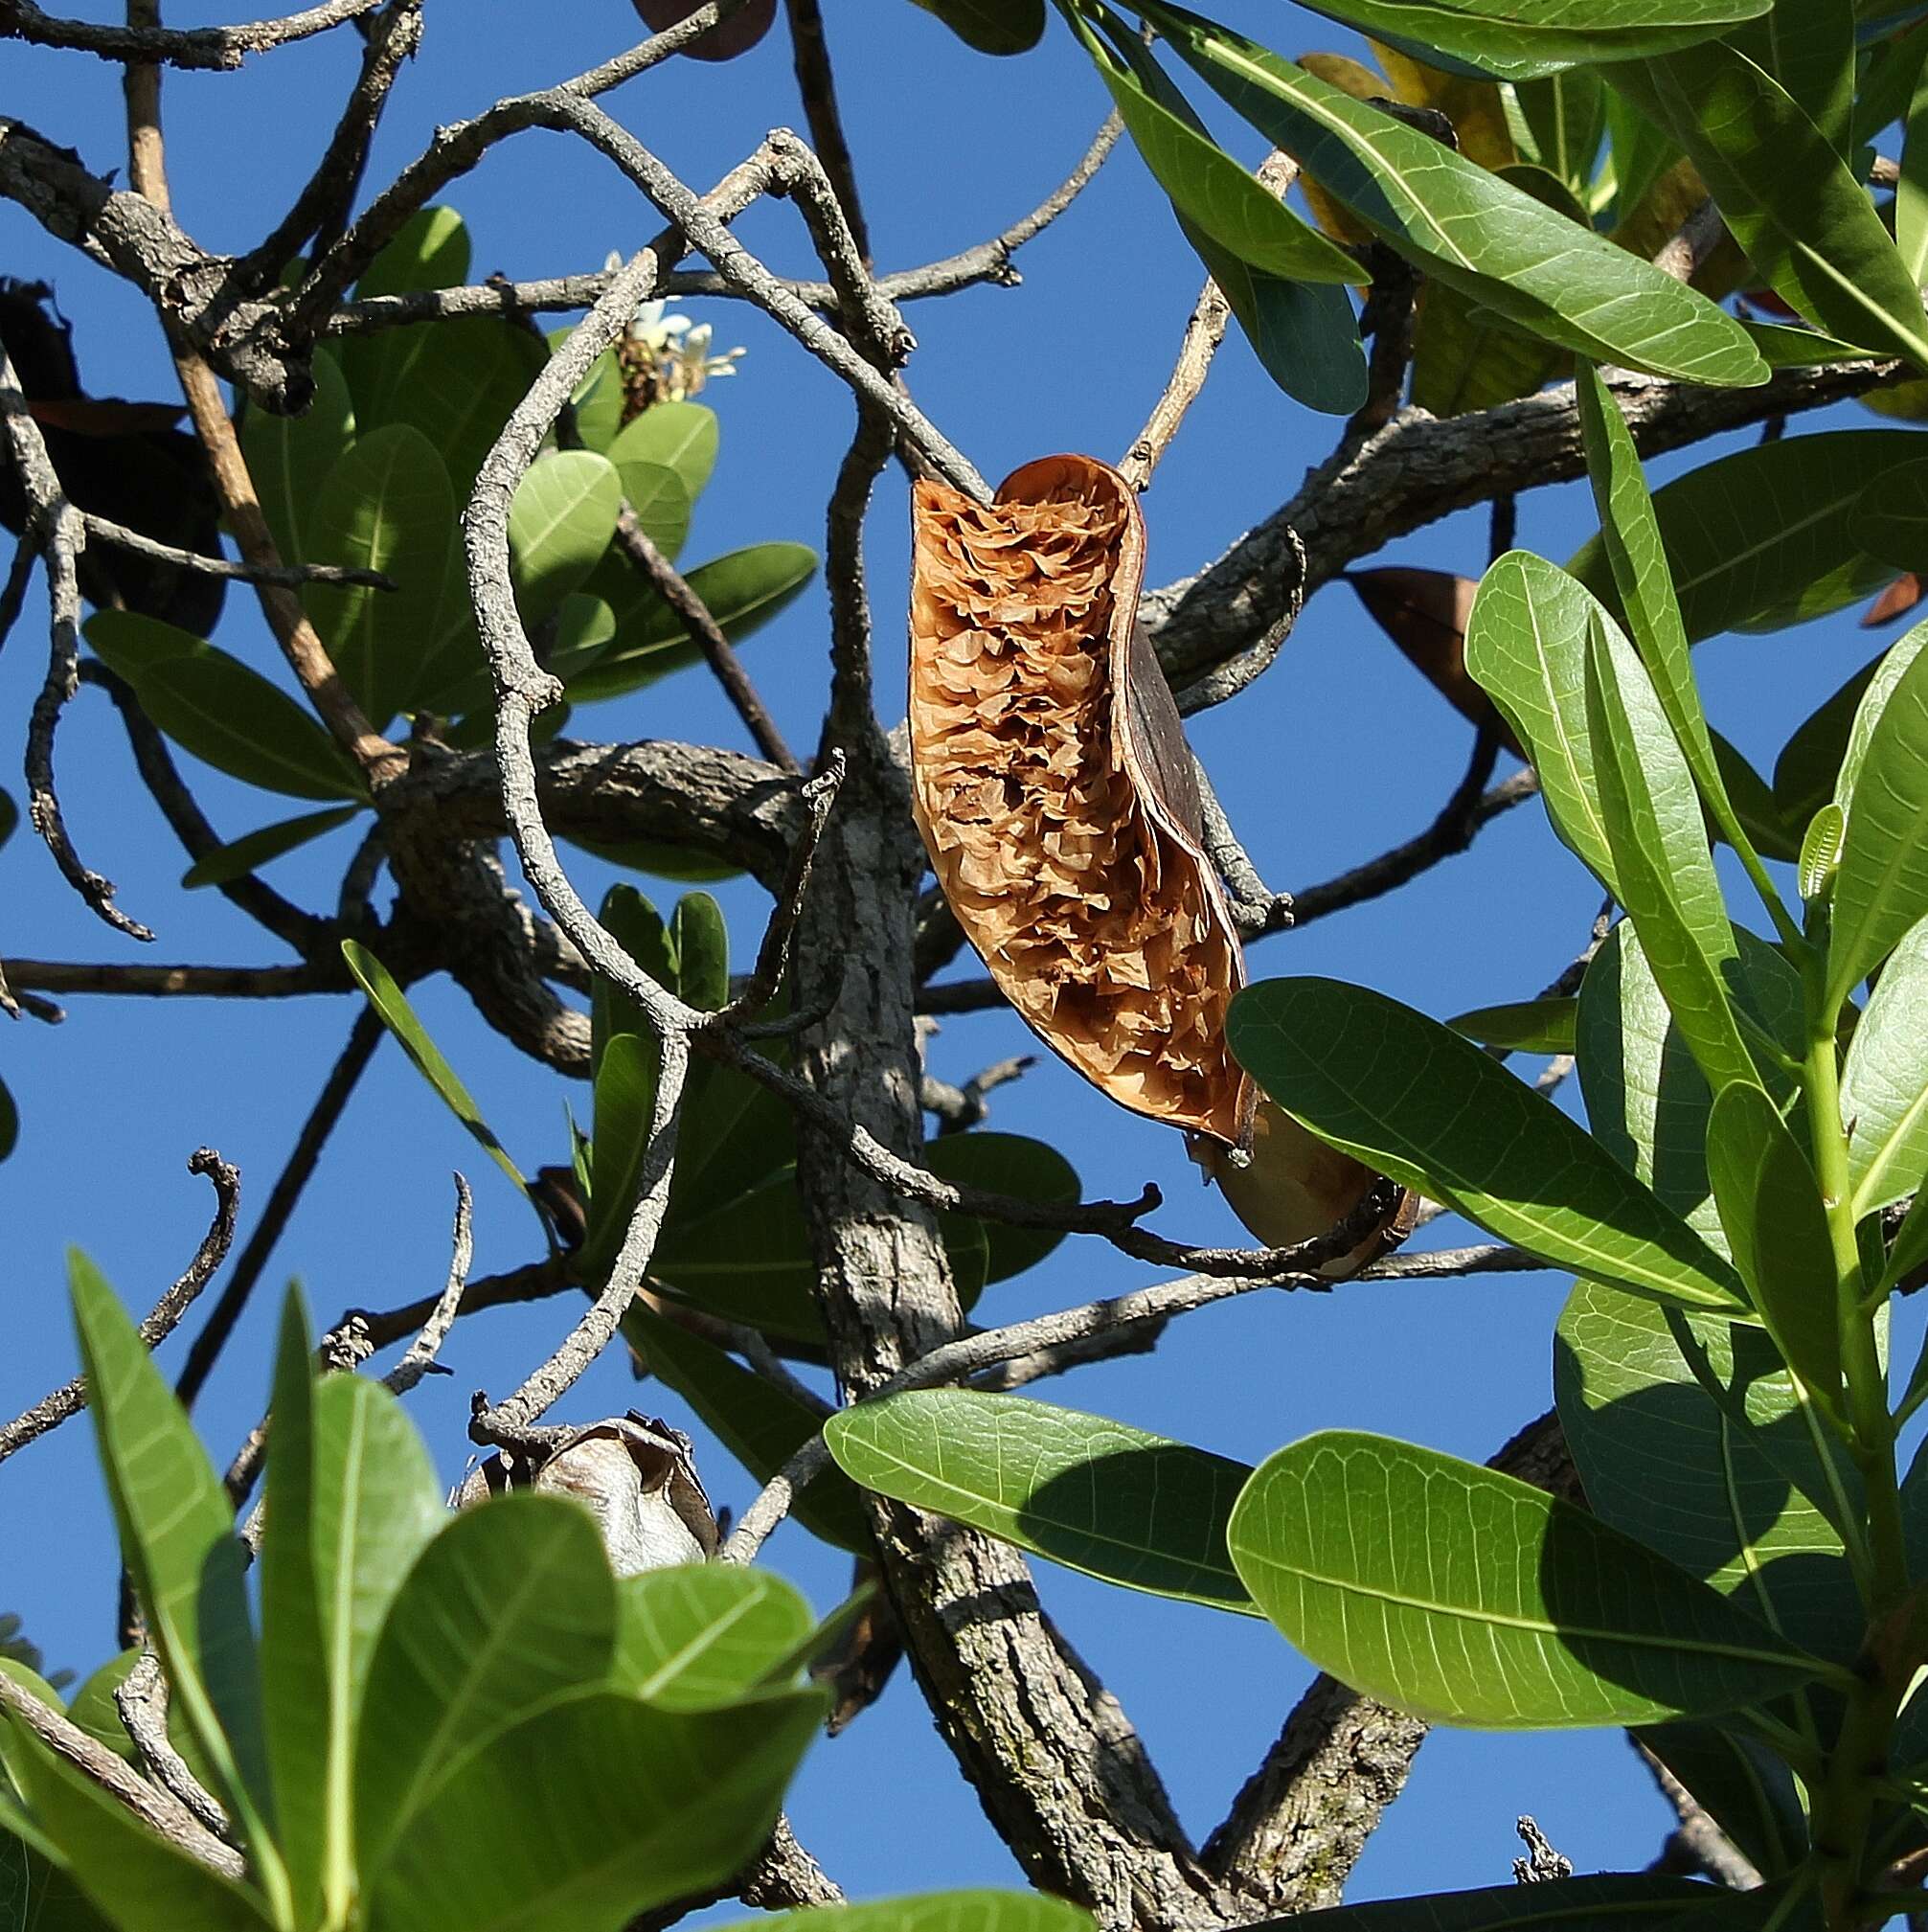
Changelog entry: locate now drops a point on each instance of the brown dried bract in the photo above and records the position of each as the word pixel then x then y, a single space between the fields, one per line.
pixel 1055 794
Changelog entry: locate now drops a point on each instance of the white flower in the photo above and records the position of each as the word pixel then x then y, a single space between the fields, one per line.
pixel 678 350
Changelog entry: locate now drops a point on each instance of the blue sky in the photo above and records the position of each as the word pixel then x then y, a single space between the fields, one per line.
pixel 1338 752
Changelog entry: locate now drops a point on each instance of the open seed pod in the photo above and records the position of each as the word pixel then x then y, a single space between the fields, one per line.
pixel 1056 796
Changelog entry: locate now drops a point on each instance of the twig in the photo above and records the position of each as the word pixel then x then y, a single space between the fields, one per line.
pixel 220 48
pixel 204 981
pixel 1697 238
pixel 971 1355
pixel 364 1037
pixel 292 574
pixel 816 85
pixel 159 1810
pixel 1203 334
pixel 14 594
pixel 1256 908
pixel 959 1108
pixel 1388 318
pixel 164 1318
pixel 537 1282
pixel 427 1345
pixel 1696 1847
pixel 141 1697
pixel 634 542
pixel 1542 1865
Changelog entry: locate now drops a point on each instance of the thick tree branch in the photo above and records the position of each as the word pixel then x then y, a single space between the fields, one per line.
pixel 220 48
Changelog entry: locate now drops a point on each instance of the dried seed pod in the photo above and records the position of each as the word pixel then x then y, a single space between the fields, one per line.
pixel 1055 794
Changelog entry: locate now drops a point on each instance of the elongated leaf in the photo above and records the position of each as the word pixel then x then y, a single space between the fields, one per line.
pixel 1699 1480
pixel 391 1003
pixel 1471 1598
pixel 1606 1901
pixel 387 506
pixel 1217 197
pixel 1466 227
pixel 1810 760
pixel 1566 115
pixel 1884 1083
pixel 1746 1790
pixel 230 863
pixel 1769 1205
pixel 1090 1493
pixel 559 525
pixel 511 1605
pixel 177 1536
pixel 1527 646
pixel 1787 195
pixel 1483 131
pixel 760 1423
pixel 682 437
pixel 1873 702
pixel 635 1806
pixel 1892 517
pixel 701 937
pixel 626 1103
pixel 214 706
pixel 286 453
pixel 1754 805
pixel 1911 192
pixel 1008 1164
pixel 1808 47
pixel 1881 887
pixel 132 1873
pixel 1661 859
pixel 940 1912
pixel 1768 535
pixel 655 492
pixel 744 590
pixel 1427 1106
pixel 698 1637
pixel 37 1891
pixel 1542 1025
pixel 991 25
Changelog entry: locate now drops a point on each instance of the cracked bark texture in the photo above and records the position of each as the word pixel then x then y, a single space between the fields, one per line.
pixel 1055 1763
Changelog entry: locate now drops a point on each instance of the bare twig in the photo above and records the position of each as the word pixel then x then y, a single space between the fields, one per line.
pixel 816 85
pixel 1696 1847
pixel 159 982
pixel 427 1345
pixel 1256 908
pixel 197 47
pixel 141 1697
pixel 959 1108
pixel 1542 1865
pixel 292 574
pixel 1203 334
pixel 163 1319
pixel 14 593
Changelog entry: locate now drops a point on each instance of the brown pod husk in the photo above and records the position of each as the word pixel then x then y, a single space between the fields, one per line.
pixel 1057 797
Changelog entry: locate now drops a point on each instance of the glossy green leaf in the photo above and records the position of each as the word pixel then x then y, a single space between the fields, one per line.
pixel 1090 1493
pixel 682 437
pixel 1007 1164
pixel 1662 863
pixel 1702 1481
pixel 1746 1790
pixel 1640 155
pixel 1754 804
pixel 512 1605
pixel 1527 647
pixel 37 1891
pixel 1802 218
pixel 1821 851
pixel 559 525
pixel 1911 192
pixel 133 1875
pixel 638 928
pixel 655 492
pixel 1566 115
pixel 701 937
pixel 1466 227
pixel 761 1424
pixel 92 1708
pixel 1810 760
pixel 636 1806
pixel 625 1104
pixel 1884 1083
pixel 1785 345
pixel 236 860
pixel 1873 702
pixel 1217 198
pixel 297 1711
pixel 430 250
pixel 934 1912
pixel 177 1536
pixel 1770 534
pixel 1808 47
pixel 1606 1901
pixel 386 506
pixel 391 1003
pixel 700 1636
pixel 744 590
pixel 1542 1025
pixel 991 25
pixel 1892 517
pixel 1467 1597
pixel 214 706
pixel 598 400
pixel 286 453
pixel 1769 1199
pixel 1881 887
pixel 1427 1106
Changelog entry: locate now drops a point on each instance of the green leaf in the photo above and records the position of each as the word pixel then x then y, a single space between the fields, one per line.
pixel 1802 218
pixel 37 1891
pixel 297 1713
pixel 1471 1598
pixel 1881 887
pixel 1217 197
pixel 1753 804
pixel 1566 115
pixel 511 1605
pixel 1465 226
pixel 286 453
pixel 1808 47
pixel 1008 1164
pixel 1421 1104
pixel 177 1534
pixel 133 1875
pixel 1092 1494
pixel 655 492
pixel 1911 193
pixel 991 25
pixel 1664 869
pixel 1804 773
pixel 626 1103
pixel 214 706
pixel 698 1637
pixel 92 1708
pixel 676 435
pixel 1769 1205
pixel 1748 1792
pixel 391 1004
pixel 760 1423
pixel 638 928
pixel 1542 1025
pixel 1892 517
pixel 1883 677
pixel 1768 535
pixel 559 525
pixel 701 937
pixel 635 1806
pixel 386 506
pixel 256 848
pixel 1699 1480
pixel 934 1912
pixel 744 590
pixel 1821 851
pixel 1884 1084
pixel 429 250
pixel 1606 1901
